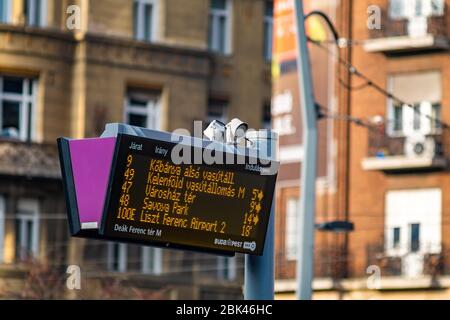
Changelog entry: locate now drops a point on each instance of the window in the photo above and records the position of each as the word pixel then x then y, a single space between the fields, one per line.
pixel 268 29
pixel 423 118
pixel 398 119
pixel 117 257
pixel 396 238
pixel 2 228
pixel 291 234
pixel 414 232
pixel 27 229
pixel 217 110
pixel 401 9
pixel 267 116
pixel 417 117
pixel 142 109
pixel 282 118
pixel 423 91
pixel 151 260
pixel 220 26
pixel 226 268
pixel 418 9
pixel 5 11
pixel 35 12
pixel 396 9
pixel 413 225
pixel 437 7
pixel 17 107
pixel 145 20
pixel 413 221
pixel 435 117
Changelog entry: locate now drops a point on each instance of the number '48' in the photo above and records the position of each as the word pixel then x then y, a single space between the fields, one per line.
pixel 124 200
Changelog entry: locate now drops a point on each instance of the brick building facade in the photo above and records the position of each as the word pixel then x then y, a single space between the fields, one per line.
pixel 393 178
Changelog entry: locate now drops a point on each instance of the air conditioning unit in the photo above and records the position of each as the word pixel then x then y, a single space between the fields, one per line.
pixel 418 145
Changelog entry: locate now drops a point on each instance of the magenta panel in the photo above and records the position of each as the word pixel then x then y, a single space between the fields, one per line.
pixel 91 164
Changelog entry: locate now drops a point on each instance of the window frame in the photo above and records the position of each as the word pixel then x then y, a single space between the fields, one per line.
pixel 268 43
pixel 155 266
pixel 409 9
pixel 291 228
pixel 436 114
pixel 417 117
pixel 427 211
pixel 28 210
pixel 419 120
pixel 267 116
pixel 7 7
pixel 139 19
pixel 396 244
pixel 224 104
pixel 122 263
pixel 442 9
pixel 390 131
pixel 152 111
pixel 414 245
pixel 227 268
pixel 214 15
pixel 27 126
pixel 397 124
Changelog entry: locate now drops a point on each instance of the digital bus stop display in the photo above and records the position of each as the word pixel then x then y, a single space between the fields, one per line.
pixel 217 208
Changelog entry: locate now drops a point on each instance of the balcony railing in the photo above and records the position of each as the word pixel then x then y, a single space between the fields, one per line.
pixel 418 33
pixel 400 153
pixel 30 160
pixel 330 261
pixel 408 263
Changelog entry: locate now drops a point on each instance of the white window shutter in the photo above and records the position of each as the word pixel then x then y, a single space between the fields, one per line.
pixel 408 120
pixel 409 8
pixel 426 8
pixel 425 110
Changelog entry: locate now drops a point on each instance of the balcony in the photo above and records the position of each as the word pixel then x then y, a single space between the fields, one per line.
pixel 29 160
pixel 406 263
pixel 410 35
pixel 330 262
pixel 404 154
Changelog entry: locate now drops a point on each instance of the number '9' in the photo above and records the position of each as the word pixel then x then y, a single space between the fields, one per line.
pixel 129 160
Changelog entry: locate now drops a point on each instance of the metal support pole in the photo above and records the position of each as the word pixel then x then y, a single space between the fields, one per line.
pixel 305 252
pixel 259 276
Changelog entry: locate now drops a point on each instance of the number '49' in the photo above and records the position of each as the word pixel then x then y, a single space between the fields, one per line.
pixel 129 174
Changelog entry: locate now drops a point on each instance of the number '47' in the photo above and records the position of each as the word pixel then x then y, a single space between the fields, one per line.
pixel 126 186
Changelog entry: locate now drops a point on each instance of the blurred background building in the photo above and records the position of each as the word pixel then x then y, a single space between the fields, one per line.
pixel 287 122
pixel 69 67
